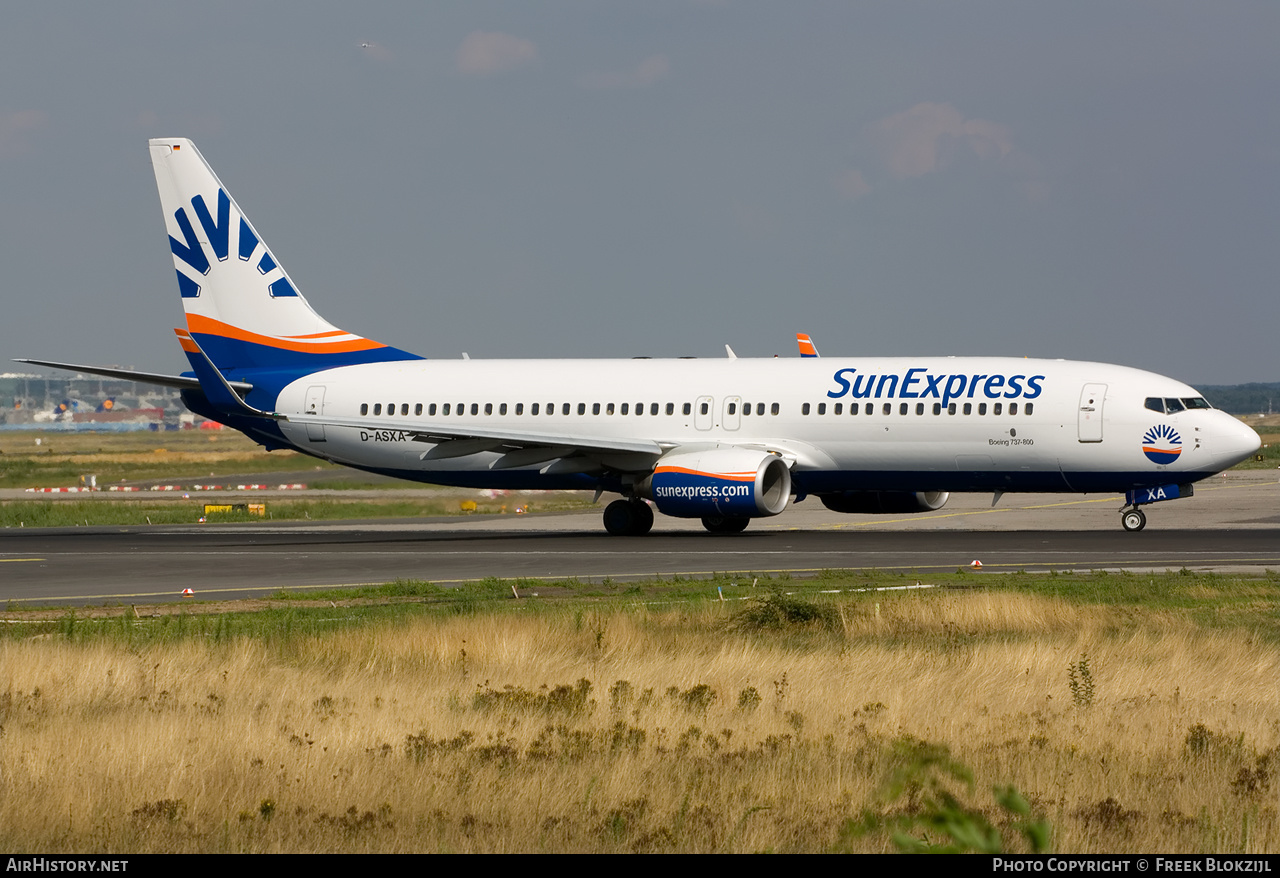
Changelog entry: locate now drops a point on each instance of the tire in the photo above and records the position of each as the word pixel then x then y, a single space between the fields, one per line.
pixel 628 518
pixel 1133 520
pixel 643 518
pixel 619 518
pixel 718 524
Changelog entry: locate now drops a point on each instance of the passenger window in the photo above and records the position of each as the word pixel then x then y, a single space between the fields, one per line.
pixel 937 408
pixel 822 408
pixel 475 408
pixel 533 409
pixel 1028 408
pixel 502 409
pixel 995 409
pixel 404 410
pixel 1013 408
pixel 688 409
pixel 460 408
pixel 624 408
pixel 774 409
pixel 377 408
pixel 364 408
pixel 804 409
pixel 608 409
pixel 446 408
pixel 671 408
pixel 902 409
pixel 519 408
pixel 760 408
pixel 639 408
pixel 565 408
pixel 488 408
pixel 888 408
pixel 870 409
pixel 982 408
pixel 391 409
pixel 838 409
pixel 968 408
pixel 595 408
pixel 705 407
pixel 951 408
pixel 733 408
pixel 417 409
pixel 582 408
pixel 919 408
pixel 653 408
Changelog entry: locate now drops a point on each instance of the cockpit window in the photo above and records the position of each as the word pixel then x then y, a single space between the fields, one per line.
pixel 1155 403
pixel 1172 405
pixel 1196 402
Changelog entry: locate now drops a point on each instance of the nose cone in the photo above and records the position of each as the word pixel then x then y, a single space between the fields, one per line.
pixel 1234 441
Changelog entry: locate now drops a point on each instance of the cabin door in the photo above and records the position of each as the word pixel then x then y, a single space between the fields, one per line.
pixel 1090 418
pixel 315 406
pixel 704 413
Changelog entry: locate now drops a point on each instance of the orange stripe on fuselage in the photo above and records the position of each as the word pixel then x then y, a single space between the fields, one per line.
pixel 209 326
pixel 735 477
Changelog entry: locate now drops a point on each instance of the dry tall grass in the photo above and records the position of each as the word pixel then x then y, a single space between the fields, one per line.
pixel 451 734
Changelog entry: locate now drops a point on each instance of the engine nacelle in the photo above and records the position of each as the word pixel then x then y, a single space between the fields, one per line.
pixel 721 481
pixel 885 502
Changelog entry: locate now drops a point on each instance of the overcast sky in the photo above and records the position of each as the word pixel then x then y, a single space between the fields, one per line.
pixel 1089 180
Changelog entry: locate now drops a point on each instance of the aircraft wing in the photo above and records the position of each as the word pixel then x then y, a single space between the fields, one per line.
pixel 517 447
pixel 181 382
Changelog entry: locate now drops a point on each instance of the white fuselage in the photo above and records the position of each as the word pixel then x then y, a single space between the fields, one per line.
pixel 845 424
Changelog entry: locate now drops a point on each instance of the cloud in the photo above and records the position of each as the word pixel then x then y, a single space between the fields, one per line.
pixel 483 53
pixel 646 73
pixel 15 128
pixel 928 136
pixel 851 184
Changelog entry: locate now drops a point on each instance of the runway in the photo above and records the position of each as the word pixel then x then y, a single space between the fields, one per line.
pixel 1230 526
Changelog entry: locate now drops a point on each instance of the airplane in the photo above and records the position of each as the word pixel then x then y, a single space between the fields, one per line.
pixel 721 440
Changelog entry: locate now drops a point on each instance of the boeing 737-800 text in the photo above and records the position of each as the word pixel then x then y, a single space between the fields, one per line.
pixel 723 440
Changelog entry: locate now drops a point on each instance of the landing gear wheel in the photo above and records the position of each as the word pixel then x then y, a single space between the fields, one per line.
pixel 1133 520
pixel 643 518
pixel 624 518
pixel 719 524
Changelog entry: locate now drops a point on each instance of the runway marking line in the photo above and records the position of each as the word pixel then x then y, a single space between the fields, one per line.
pixel 550 577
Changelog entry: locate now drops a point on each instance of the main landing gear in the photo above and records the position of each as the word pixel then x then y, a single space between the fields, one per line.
pixel 719 524
pixel 628 518
pixel 1133 519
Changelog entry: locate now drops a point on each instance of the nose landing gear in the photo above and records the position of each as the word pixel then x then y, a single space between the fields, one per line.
pixel 1133 519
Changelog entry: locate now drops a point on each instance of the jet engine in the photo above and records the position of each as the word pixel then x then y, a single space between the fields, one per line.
pixel 885 502
pixel 719 482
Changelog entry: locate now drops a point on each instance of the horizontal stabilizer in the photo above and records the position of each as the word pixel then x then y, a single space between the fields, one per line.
pixel 182 382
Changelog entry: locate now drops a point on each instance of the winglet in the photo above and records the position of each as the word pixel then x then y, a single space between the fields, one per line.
pixel 214 385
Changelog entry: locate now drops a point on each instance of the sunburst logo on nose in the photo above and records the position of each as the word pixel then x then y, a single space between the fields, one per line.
pixel 1162 444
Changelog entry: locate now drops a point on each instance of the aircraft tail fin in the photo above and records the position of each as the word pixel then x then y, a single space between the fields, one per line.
pixel 242 307
pixel 807 348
